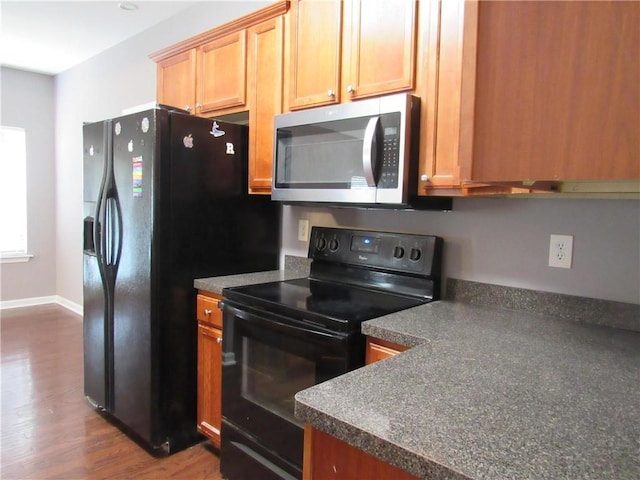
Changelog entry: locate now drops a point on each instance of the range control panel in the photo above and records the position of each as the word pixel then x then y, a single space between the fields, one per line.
pixel 396 252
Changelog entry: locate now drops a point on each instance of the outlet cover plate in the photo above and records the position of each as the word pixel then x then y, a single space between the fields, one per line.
pixel 560 250
pixel 303 230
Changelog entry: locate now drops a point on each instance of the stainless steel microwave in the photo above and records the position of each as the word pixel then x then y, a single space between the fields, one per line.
pixel 362 152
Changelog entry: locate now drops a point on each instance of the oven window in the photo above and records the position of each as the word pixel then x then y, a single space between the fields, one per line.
pixel 271 377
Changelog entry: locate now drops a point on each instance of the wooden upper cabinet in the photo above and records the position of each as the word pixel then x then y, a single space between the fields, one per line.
pixel 346 50
pixel 557 91
pixel 535 92
pixel 265 79
pixel 222 75
pixel 233 68
pixel 315 53
pixel 380 46
pixel 177 80
pixel 206 79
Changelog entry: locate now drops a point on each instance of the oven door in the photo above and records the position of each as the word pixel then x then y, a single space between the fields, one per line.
pixel 267 359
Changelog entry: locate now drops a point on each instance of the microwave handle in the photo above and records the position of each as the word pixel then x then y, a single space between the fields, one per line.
pixel 369 149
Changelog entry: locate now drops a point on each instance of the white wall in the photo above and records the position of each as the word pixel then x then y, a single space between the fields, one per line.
pixel 28 102
pixel 506 241
pixel 100 88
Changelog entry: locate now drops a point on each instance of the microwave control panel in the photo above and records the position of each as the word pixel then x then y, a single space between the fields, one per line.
pixel 390 151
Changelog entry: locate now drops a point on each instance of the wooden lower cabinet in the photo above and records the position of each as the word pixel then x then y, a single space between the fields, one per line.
pixel 326 457
pixel 209 416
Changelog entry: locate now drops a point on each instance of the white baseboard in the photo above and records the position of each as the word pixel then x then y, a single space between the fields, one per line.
pixel 69 305
pixel 30 302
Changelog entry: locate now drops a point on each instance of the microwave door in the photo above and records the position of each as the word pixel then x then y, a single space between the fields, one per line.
pixel 326 161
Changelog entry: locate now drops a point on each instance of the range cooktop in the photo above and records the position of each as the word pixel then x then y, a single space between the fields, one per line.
pixel 355 276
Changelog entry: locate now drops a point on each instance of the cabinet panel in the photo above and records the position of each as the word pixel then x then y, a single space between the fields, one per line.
pixel 209 382
pixel 316 41
pixel 381 47
pixel 266 42
pixel 222 65
pixel 380 349
pixel 450 115
pixel 326 457
pixel 557 91
pixel 177 80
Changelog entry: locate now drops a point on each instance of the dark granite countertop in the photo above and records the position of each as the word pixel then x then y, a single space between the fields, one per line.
pixel 295 267
pixel 490 393
pixel 217 284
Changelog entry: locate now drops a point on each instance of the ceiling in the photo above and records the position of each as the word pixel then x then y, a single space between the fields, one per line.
pixel 50 37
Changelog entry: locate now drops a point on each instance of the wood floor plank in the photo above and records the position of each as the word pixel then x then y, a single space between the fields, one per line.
pixel 49 430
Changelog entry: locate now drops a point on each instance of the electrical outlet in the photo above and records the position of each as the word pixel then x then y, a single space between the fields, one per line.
pixel 560 250
pixel 303 230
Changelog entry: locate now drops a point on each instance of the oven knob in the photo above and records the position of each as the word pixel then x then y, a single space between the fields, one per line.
pixel 321 243
pixel 333 244
pixel 415 254
pixel 398 252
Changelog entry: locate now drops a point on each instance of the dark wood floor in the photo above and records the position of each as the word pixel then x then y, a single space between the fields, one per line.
pixel 49 431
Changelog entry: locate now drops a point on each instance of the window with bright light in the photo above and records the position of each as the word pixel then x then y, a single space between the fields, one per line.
pixel 13 193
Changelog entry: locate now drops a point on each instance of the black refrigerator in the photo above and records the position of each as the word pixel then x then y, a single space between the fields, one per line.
pixel 165 202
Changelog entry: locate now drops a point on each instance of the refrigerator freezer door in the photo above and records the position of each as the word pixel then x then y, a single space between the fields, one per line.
pixel 93 323
pixel 93 160
pixel 94 308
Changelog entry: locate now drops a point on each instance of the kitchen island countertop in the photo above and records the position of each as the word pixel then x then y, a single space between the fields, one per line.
pixel 490 393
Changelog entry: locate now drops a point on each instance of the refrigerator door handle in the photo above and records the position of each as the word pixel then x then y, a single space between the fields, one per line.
pixel 113 236
pixel 108 223
pixel 100 214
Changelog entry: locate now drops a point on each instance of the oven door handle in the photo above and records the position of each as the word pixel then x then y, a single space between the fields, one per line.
pixel 273 324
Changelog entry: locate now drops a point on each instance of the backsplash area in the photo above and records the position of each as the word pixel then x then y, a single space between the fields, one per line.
pixel 625 316
pixel 505 241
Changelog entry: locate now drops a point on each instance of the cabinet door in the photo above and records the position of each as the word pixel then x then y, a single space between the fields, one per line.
pixel 316 34
pixel 177 80
pixel 326 457
pixel 379 47
pixel 265 54
pixel 557 91
pixel 222 64
pixel 380 349
pixel 209 382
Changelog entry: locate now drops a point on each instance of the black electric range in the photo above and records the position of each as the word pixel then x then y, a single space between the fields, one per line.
pixel 282 337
